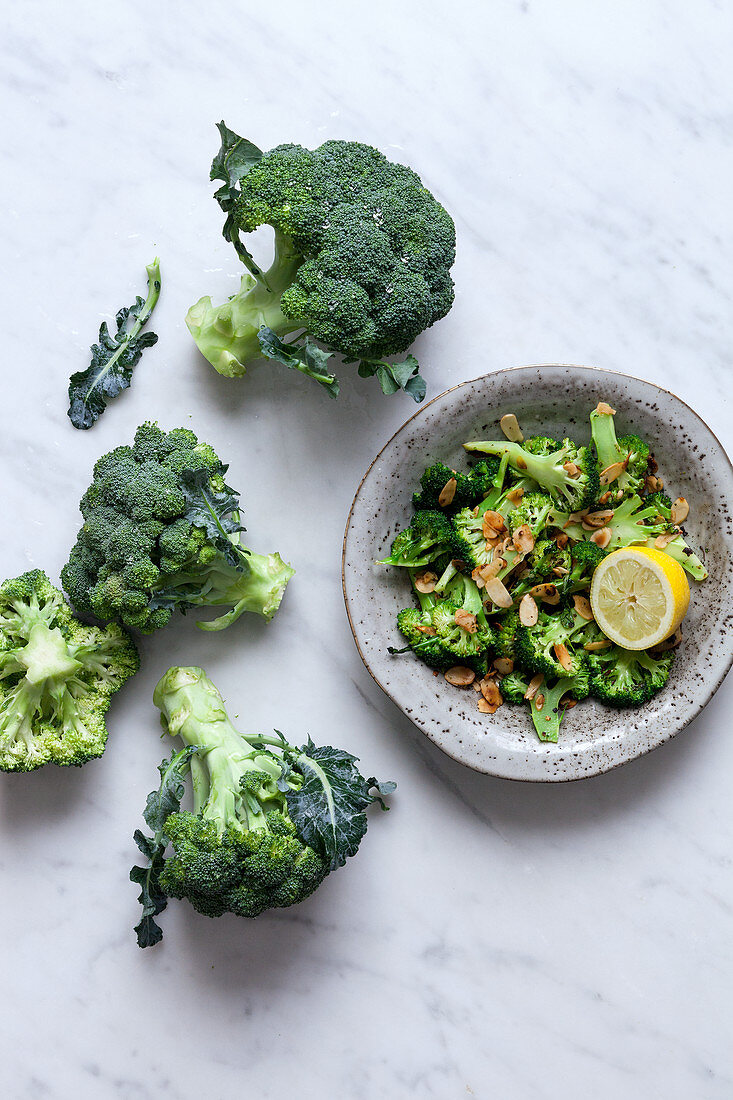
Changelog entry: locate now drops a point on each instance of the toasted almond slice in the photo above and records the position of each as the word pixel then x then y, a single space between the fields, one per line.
pixel 492 524
pixel 582 606
pixel 680 510
pixel 429 630
pixel 598 519
pixel 515 495
pixel 465 620
pixel 560 570
pixel 426 582
pixel 652 483
pixel 605 409
pixel 562 541
pixel 546 592
pixel 613 471
pixel 601 538
pixel 571 469
pixel 669 643
pixel 528 610
pixel 447 492
pixel 498 593
pixel 662 541
pixel 510 427
pixel 605 497
pixel 568 702
pixel 539 701
pixel 483 573
pixel 486 708
pixel 523 539
pixel 533 686
pixel 652 465
pixel 593 647
pixel 504 665
pixel 460 676
pixel 475 686
pixel 563 656
pixel 490 691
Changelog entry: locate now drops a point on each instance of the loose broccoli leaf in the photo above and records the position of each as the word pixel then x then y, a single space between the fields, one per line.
pixel 396 376
pixel 233 161
pixel 159 805
pixel 114 357
pixel 306 357
pixel 328 809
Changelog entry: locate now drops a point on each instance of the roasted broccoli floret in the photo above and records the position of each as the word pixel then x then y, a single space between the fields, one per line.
pixel 505 634
pixel 428 537
pixel 547 705
pixel 663 505
pixel 514 686
pixel 637 521
pixel 422 638
pixel 584 558
pixel 540 445
pixel 626 678
pixel 629 450
pixel 162 532
pixel 467 643
pixel 532 511
pixel 569 474
pixel 57 677
pixel 362 262
pixel 269 820
pixel 470 488
pixel 535 646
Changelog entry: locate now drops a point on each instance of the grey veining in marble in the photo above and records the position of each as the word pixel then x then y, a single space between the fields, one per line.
pixel 492 940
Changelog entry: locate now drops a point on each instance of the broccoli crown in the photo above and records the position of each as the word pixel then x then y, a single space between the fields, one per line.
pixel 57 677
pixel 269 821
pixel 161 531
pixel 464 644
pixel 428 537
pixel 569 474
pixel 470 488
pixel 629 450
pixel 547 556
pixel 626 678
pixel 662 503
pixel 376 246
pixel 505 632
pixel 535 645
pixel 584 558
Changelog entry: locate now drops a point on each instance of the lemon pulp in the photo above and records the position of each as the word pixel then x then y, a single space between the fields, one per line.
pixel 639 596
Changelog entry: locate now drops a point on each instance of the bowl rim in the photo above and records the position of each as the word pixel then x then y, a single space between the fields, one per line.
pixel 549 779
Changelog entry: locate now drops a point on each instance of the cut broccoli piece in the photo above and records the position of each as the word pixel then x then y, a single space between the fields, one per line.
pixel 546 707
pixel 513 687
pixel 585 557
pixel 417 627
pixel 269 820
pixel 428 537
pixel 569 475
pixel 636 521
pixel 470 488
pixel 534 646
pixel 162 532
pixel 57 677
pixel 625 678
pixel 467 647
pixel 505 633
pixel 540 445
pixel 630 450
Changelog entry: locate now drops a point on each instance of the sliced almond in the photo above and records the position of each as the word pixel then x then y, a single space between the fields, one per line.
pixel 546 592
pixel 426 582
pixel 669 643
pixel 510 427
pixel 533 686
pixel 498 593
pixel 562 541
pixel 571 469
pixel 460 676
pixel 680 510
pixel 490 691
pixel 612 472
pixel 593 647
pixel 652 483
pixel 605 409
pixel 492 524
pixel 486 708
pixel 651 464
pixel 515 495
pixel 484 573
pixel 504 665
pixel 465 620
pixel 528 610
pixel 563 656
pixel 429 630
pixel 567 702
pixel 475 686
pixel 539 701
pixel 662 541
pixel 582 606
pixel 601 538
pixel 594 520
pixel 447 492
pixel 605 497
pixel 560 570
pixel 523 539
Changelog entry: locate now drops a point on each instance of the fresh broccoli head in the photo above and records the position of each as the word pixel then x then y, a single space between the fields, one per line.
pixel 57 677
pixel 628 450
pixel 470 488
pixel 362 262
pixel 429 536
pixel 269 820
pixel 569 475
pixel 625 678
pixel 161 531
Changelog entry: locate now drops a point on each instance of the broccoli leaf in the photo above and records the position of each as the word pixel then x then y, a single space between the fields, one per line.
pixel 233 161
pixel 328 809
pixel 396 376
pixel 306 357
pixel 114 357
pixel 216 512
pixel 166 800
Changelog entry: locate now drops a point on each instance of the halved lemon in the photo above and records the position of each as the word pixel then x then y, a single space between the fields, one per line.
pixel 639 596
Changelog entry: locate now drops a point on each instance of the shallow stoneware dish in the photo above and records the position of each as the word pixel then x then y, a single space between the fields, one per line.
pixel 548 400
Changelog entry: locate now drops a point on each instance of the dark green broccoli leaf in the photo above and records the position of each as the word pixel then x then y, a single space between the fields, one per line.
pixel 234 159
pixel 114 357
pixel 306 357
pixel 396 376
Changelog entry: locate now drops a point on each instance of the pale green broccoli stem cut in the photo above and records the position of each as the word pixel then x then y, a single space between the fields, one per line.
pixel 540 468
pixel 228 334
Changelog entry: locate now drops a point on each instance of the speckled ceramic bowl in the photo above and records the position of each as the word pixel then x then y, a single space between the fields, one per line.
pixel 551 400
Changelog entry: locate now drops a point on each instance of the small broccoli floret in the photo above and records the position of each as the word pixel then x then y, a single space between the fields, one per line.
pixel 470 488
pixel 663 505
pixel 532 511
pixel 417 627
pixel 162 532
pixel 540 445
pixel 584 558
pixel 569 474
pixel 57 677
pixel 637 521
pixel 362 261
pixel 513 687
pixel 429 536
pixel 467 646
pixel 505 633
pixel 625 678
pixel 547 705
pixel 269 820
pixel 629 450
pixel 535 646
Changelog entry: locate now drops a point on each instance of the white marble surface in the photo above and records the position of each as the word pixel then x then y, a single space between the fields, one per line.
pixel 492 939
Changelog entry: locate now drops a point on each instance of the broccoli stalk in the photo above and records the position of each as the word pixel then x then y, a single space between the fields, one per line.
pixel 362 262
pixel 631 451
pixel 269 820
pixel 57 677
pixel 546 706
pixel 635 520
pixel 575 487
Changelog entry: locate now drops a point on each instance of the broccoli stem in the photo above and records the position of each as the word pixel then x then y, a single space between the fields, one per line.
pixel 603 431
